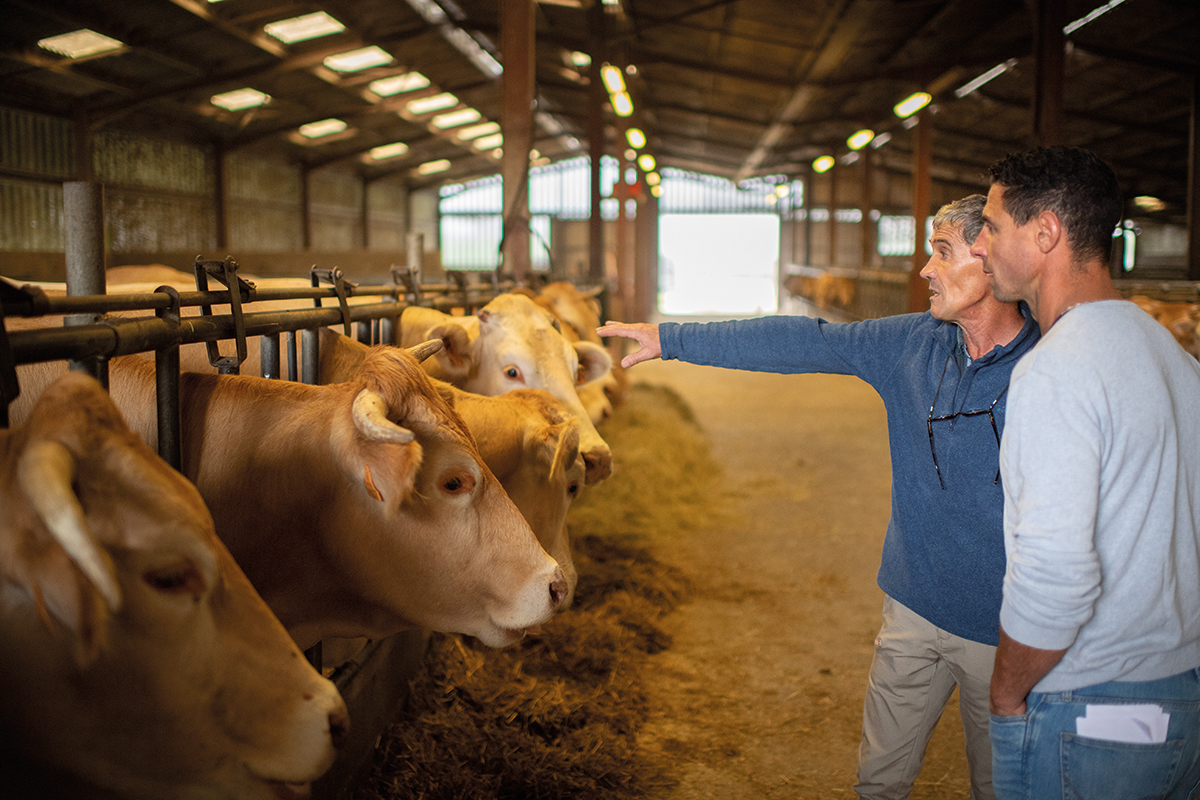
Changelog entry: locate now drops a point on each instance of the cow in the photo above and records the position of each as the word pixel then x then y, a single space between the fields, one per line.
pixel 357 509
pixel 513 344
pixel 137 658
pixel 526 437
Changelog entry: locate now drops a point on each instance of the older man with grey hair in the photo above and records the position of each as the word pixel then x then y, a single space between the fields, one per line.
pixel 942 375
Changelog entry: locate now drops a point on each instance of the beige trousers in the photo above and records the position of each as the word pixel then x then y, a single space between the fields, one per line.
pixel 913 674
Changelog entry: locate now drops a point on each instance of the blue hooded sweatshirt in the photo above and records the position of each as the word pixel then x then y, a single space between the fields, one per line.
pixel 943 554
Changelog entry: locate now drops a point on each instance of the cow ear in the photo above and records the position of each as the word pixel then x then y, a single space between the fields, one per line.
pixel 455 357
pixel 594 361
pixel 565 439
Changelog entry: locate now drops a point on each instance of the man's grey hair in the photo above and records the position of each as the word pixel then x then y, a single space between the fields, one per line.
pixel 965 215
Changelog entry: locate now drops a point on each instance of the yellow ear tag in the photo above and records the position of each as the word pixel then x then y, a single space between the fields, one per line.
pixel 370 484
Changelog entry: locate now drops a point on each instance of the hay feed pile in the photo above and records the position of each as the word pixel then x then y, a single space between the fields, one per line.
pixel 558 715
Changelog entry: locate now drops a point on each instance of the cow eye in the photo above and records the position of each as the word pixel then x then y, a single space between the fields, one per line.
pixel 573 489
pixel 512 373
pixel 177 579
pixel 457 483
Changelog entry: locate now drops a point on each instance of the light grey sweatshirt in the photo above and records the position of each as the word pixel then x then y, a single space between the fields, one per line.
pixel 1100 463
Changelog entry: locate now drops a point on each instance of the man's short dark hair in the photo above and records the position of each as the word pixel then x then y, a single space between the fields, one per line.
pixel 1073 183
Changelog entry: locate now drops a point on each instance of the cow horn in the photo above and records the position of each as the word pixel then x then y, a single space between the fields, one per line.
pixel 370 417
pixel 45 473
pixel 424 350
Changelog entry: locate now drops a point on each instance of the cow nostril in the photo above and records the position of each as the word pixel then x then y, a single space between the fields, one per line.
pixel 339 729
pixel 558 589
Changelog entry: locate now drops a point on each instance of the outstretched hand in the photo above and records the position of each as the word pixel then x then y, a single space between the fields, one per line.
pixel 643 333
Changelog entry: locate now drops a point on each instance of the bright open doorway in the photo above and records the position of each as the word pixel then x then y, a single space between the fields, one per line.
pixel 714 264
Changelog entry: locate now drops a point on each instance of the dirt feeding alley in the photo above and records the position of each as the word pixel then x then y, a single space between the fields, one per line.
pixel 760 694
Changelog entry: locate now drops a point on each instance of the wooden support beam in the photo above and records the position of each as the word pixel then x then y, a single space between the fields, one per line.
pixel 918 290
pixel 516 123
pixel 1049 57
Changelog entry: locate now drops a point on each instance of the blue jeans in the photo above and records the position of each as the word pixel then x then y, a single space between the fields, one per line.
pixel 1038 755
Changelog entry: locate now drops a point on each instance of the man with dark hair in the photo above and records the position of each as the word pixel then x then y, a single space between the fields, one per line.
pixel 943 375
pixel 1096 687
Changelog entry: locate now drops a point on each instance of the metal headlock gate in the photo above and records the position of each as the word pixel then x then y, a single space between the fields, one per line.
pixel 375 683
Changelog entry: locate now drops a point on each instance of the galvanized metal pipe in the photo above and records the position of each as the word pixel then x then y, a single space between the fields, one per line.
pixel 83 209
pixel 269 355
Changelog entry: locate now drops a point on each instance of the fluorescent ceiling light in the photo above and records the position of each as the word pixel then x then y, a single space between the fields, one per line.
pixel 622 104
pixel 646 162
pixel 498 153
pixel 489 142
pixel 325 127
pixel 614 81
pixel 991 74
pixel 240 99
pixel 630 154
pixel 880 140
pixel 385 151
pixel 430 167
pixel 912 104
pixel 823 164
pixel 303 28
pixel 861 139
pixel 80 43
pixel 783 190
pixel 581 59
pixel 434 102
pixel 452 119
pixel 1096 12
pixel 1149 203
pixel 398 84
pixel 567 3
pixel 656 190
pixel 475 131
pixel 355 60
pixel 635 137
pixel 653 178
pixel 470 48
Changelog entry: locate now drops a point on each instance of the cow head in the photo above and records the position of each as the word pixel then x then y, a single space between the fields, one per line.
pixel 531 443
pixel 136 654
pixel 418 494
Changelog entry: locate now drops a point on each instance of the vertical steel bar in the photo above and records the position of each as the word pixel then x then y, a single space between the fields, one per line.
pixel 170 419
pixel 269 355
pixel 310 351
pixel 291 355
pixel 83 208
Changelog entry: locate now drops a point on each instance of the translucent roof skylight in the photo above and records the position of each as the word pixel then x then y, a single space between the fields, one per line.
pixel 303 28
pixel 80 43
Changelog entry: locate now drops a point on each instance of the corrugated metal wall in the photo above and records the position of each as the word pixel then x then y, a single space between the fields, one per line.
pixel 265 212
pixel 36 155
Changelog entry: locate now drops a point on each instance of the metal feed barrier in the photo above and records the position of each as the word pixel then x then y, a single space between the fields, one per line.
pixel 374 683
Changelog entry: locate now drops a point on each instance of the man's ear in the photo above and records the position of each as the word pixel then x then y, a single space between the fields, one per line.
pixel 1048 232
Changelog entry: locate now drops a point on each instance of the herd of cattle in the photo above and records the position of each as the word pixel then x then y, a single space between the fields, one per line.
pixel 154 620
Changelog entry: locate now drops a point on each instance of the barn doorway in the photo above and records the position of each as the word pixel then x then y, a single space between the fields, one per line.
pixel 718 264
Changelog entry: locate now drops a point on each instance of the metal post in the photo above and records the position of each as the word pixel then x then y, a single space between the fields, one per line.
pixel 311 354
pixel 269 355
pixel 918 290
pixel 83 207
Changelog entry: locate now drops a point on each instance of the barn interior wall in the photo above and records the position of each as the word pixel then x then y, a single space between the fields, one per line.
pixel 160 205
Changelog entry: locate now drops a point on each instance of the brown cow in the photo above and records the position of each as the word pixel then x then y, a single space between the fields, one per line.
pixel 136 655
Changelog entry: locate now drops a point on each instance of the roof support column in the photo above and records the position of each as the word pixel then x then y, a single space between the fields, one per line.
pixel 1049 56
pixel 595 128
pixel 516 120
pixel 918 291
pixel 833 243
pixel 866 204
pixel 1193 186
pixel 625 276
pixel 221 195
pixel 305 208
pixel 365 220
pixel 645 282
